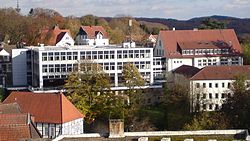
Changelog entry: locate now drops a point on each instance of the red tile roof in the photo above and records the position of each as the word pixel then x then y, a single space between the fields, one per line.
pixel 12 108
pixel 51 36
pixel 186 70
pixel 171 38
pixel 13 119
pixel 92 30
pixel 203 45
pixel 222 72
pixel 45 107
pixel 14 127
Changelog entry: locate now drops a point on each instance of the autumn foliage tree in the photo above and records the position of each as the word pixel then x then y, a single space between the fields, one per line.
pixel 89 90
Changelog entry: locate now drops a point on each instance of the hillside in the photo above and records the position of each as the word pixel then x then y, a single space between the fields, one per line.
pixel 241 26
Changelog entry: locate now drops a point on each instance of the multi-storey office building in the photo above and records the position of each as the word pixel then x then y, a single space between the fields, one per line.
pixel 198 48
pixel 5 67
pixel 49 66
pixel 212 85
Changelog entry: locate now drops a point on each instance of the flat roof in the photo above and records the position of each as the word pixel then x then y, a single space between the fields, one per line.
pixel 82 47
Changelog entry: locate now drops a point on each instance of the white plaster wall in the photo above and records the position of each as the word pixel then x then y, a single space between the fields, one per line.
pixel 19 67
pixel 4 53
pixel 175 63
pixel 220 90
pixel 73 127
pixel 97 42
pixel 67 39
pixel 213 59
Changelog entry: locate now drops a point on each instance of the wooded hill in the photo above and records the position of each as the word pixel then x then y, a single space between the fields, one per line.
pixel 16 28
pixel 241 26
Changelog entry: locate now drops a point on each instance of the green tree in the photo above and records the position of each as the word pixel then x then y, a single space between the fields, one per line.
pixel 132 78
pixel 209 23
pixel 176 102
pixel 88 20
pixel 246 52
pixel 237 106
pixel 208 121
pixel 89 90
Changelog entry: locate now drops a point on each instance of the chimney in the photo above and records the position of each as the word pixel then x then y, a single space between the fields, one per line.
pixel 116 128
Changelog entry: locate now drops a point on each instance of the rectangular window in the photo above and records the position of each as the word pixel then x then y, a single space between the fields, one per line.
pixel 204 96
pixel 63 67
pixel 216 107
pixel 57 56
pixel 100 54
pixel 106 55
pixel 57 68
pixel 112 55
pixel 197 85
pixel 51 68
pixel 45 69
pixel 94 55
pixel 112 66
pixel 229 85
pixel 216 85
pixel 82 55
pixel 204 85
pixel 210 85
pixel 119 65
pixel 75 55
pixel 119 54
pixel 69 55
pixel 69 68
pixel 88 55
pixel 210 96
pixel 210 106
pixel 44 57
pixel 63 56
pixel 51 57
pixel 223 85
pixel 216 95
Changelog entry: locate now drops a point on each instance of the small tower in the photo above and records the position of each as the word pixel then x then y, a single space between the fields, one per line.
pixel 18 9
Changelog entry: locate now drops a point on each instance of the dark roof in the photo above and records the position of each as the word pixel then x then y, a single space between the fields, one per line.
pixel 204 45
pixel 11 108
pixel 60 36
pixel 222 72
pixel 45 107
pixel 93 30
pixel 186 70
pixel 171 38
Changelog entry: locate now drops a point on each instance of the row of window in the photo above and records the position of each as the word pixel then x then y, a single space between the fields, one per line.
pixel 205 51
pixel 211 85
pixel 56 56
pixel 213 96
pixel 106 66
pixel 210 107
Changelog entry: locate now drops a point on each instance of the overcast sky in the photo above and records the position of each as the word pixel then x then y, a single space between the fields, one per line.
pixel 177 9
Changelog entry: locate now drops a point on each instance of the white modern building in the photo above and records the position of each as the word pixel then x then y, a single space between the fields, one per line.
pixel 49 66
pixel 212 85
pixel 198 48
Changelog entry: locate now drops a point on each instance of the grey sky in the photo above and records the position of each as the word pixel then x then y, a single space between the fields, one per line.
pixel 178 9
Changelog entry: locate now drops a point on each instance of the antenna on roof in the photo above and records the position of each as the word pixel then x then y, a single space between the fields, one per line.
pixel 18 9
pixel 130 30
